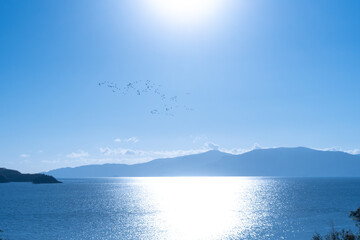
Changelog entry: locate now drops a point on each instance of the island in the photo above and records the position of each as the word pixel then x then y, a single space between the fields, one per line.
pixel 8 175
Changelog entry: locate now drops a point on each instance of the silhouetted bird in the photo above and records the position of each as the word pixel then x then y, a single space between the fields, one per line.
pixel 147 87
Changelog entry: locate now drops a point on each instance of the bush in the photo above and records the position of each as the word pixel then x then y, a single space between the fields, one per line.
pixel 343 234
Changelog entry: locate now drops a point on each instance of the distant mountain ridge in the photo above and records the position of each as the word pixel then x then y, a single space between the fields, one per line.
pixel 292 162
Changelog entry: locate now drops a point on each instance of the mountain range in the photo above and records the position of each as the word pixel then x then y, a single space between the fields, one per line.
pixel 292 162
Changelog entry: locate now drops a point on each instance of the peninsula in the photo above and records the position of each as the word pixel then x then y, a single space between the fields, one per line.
pixel 7 175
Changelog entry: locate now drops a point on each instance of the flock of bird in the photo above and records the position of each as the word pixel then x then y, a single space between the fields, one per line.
pixel 147 87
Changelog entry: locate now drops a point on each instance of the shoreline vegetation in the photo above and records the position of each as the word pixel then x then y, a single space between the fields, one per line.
pixel 8 175
pixel 343 234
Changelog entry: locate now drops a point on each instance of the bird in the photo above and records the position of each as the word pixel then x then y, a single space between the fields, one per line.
pixel 154 111
pixel 140 87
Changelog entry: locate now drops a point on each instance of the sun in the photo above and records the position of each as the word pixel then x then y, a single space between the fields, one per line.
pixel 184 12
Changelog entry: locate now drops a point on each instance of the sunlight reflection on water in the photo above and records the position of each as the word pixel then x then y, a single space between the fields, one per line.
pixel 204 208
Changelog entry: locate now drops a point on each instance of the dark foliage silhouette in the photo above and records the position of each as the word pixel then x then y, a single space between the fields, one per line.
pixel 343 234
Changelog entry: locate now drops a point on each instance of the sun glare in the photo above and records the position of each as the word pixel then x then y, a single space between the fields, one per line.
pixel 185 12
pixel 200 208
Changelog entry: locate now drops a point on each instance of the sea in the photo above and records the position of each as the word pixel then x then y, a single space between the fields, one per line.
pixel 179 208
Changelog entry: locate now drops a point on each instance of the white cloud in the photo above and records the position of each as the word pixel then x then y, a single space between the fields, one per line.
pixel 177 153
pixel 256 146
pixel 119 151
pixel 354 151
pixel 212 146
pixel 132 140
pixel 128 140
pixel 24 155
pixel 339 149
pixel 331 149
pixel 235 151
pixel 78 154
pixel 125 153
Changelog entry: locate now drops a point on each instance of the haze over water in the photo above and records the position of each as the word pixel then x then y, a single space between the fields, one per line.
pixel 178 208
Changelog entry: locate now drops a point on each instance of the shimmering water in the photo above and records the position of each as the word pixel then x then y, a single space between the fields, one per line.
pixel 177 208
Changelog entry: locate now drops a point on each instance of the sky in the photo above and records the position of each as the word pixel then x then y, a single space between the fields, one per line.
pixel 247 74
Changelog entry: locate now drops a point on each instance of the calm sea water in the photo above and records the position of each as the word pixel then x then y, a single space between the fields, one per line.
pixel 177 208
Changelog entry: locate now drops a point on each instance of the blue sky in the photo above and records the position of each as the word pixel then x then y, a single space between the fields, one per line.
pixel 264 73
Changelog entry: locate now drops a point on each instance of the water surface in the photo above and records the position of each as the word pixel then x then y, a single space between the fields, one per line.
pixel 177 208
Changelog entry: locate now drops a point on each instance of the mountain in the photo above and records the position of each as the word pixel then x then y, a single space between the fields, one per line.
pixel 296 162
pixel 191 165
pixel 7 175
